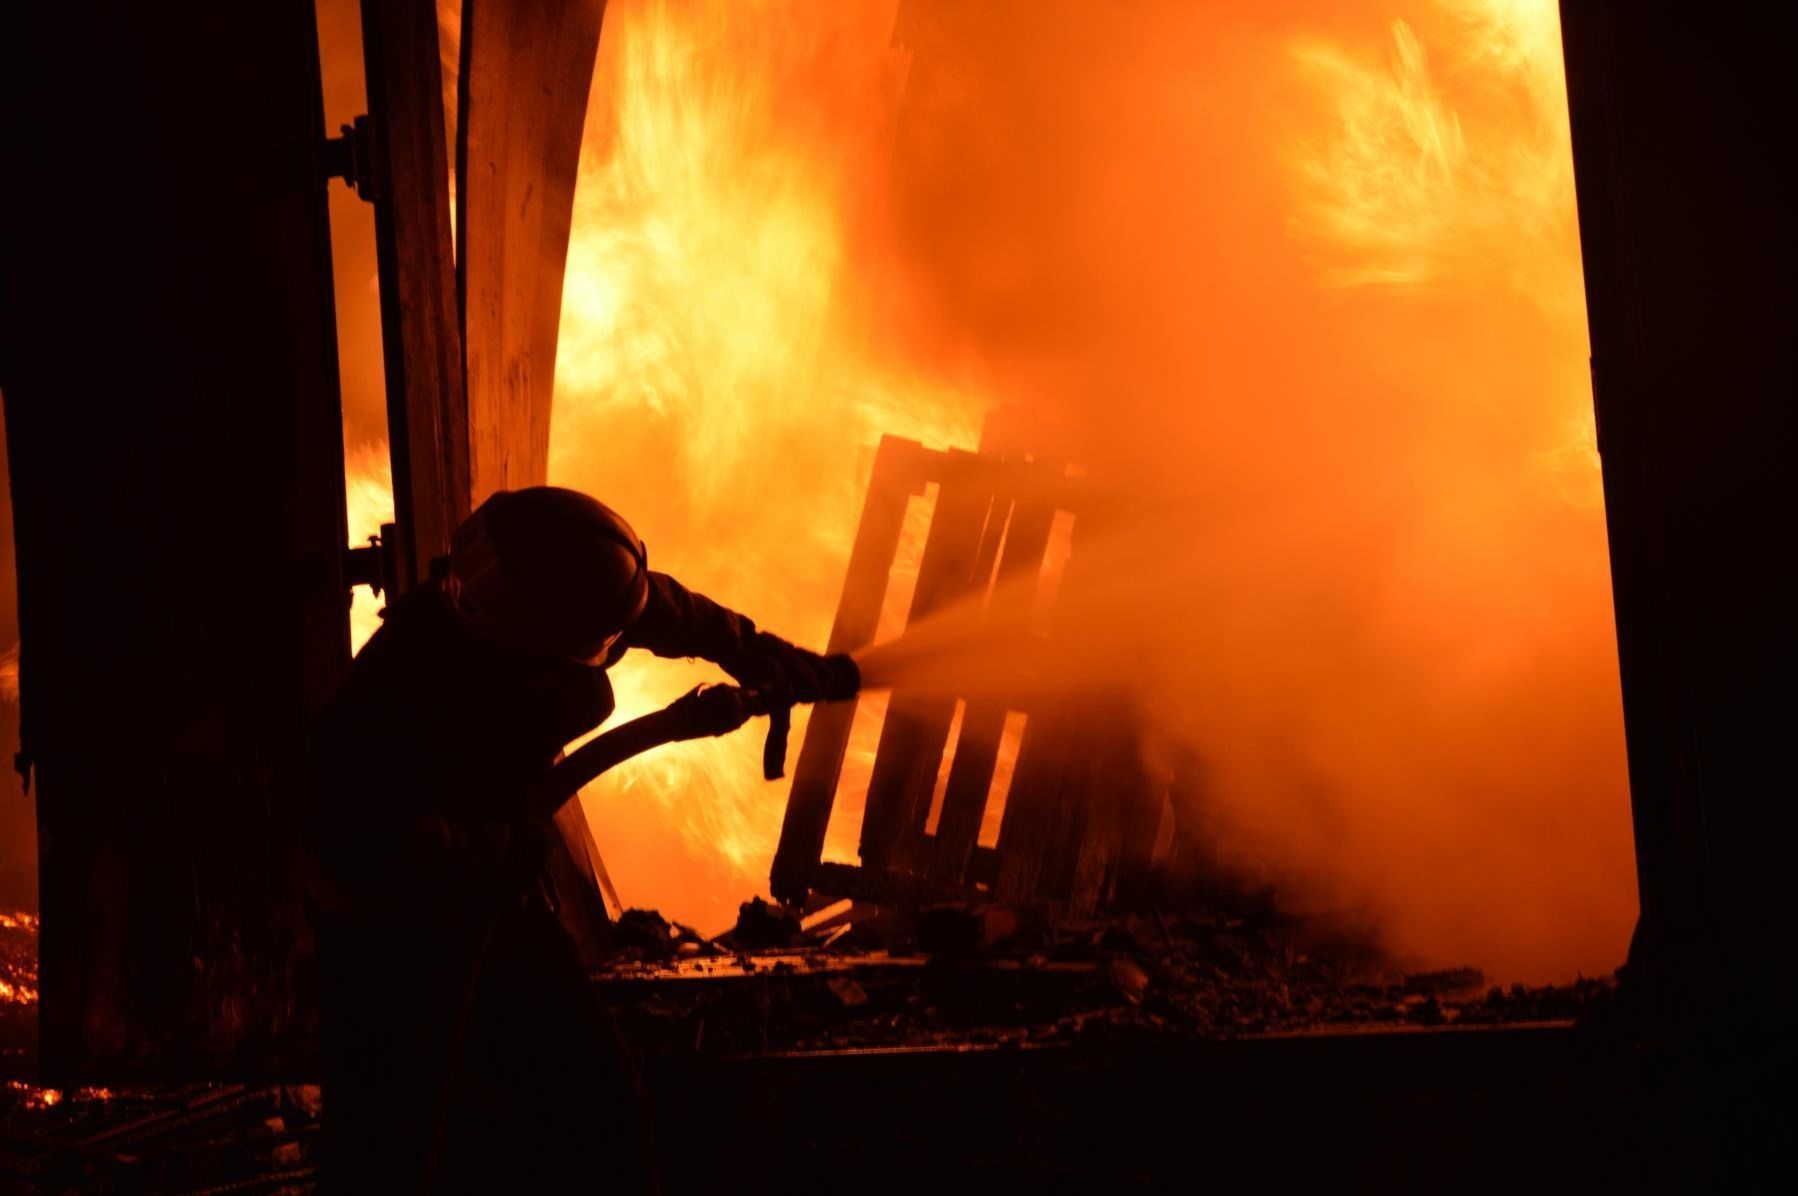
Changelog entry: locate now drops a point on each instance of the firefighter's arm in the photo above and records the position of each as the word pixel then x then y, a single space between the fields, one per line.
pixel 678 622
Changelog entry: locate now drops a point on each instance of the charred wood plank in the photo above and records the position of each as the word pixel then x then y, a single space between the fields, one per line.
pixel 1143 797
pixel 1026 539
pixel 1105 788
pixel 899 475
pixel 916 730
pixel 1034 808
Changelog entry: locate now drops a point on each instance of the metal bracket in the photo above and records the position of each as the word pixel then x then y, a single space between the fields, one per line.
pixel 375 566
pixel 355 157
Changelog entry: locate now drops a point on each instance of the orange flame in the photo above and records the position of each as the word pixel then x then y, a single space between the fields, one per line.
pixel 1374 403
pixel 368 494
pixel 1454 179
pixel 715 378
pixel 750 303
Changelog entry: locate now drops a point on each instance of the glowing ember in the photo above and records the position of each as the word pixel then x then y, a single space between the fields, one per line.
pixel 33 1097
pixel 18 958
pixel 30 1096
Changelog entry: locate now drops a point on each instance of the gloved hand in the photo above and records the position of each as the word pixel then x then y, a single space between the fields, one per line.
pixel 772 664
pixel 707 710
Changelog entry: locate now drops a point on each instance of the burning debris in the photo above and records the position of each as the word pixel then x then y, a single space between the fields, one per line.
pixel 194 1138
pixel 18 958
pixel 18 992
pixel 961 976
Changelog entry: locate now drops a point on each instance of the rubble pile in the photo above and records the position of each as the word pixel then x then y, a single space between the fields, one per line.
pixel 965 975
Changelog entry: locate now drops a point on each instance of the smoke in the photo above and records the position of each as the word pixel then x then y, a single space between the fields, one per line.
pixel 1307 289
pixel 1301 277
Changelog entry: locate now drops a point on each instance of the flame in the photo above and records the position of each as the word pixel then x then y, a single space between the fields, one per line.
pixel 9 675
pixel 716 380
pixel 1454 179
pixel 368 503
pixel 1309 267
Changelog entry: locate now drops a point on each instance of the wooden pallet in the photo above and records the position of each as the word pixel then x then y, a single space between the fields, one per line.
pixel 1075 819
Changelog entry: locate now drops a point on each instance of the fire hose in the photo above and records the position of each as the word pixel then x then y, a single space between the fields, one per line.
pixel 707 711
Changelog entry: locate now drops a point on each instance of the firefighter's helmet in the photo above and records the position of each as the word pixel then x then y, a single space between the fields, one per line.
pixel 548 570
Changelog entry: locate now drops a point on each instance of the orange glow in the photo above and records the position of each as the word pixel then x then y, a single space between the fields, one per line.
pixel 1305 278
pixel 30 1096
pixel 368 494
pixel 716 379
pixel 18 962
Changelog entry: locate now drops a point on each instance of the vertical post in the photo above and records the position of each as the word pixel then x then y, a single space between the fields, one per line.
pixel 178 508
pixel 1690 254
pixel 427 410
pixel 527 71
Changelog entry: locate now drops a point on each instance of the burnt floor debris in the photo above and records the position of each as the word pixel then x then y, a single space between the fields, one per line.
pixel 863 984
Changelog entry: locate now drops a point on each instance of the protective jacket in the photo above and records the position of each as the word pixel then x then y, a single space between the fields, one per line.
pixel 465 1048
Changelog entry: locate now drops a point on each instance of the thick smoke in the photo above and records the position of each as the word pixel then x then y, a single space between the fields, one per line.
pixel 1307 289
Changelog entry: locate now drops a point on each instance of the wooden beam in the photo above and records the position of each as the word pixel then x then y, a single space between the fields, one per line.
pixel 175 443
pixel 527 71
pixel 408 180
